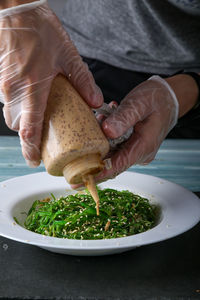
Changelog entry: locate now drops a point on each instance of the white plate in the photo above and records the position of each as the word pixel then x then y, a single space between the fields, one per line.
pixel 180 212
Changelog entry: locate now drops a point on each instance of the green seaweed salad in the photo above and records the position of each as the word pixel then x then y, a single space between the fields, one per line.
pixel 122 213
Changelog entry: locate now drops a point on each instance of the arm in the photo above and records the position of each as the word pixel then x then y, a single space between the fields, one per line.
pixel 10 3
pixel 186 91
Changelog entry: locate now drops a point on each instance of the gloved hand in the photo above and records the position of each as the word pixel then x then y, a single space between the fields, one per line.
pixel 152 109
pixel 104 111
pixel 34 48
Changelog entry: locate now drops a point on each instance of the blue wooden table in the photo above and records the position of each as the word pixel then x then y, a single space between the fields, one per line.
pixel 177 161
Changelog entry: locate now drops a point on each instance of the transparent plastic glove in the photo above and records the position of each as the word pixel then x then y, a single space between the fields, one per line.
pixel 152 108
pixel 104 111
pixel 34 48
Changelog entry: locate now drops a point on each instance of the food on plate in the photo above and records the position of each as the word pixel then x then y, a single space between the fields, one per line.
pixel 73 144
pixel 122 214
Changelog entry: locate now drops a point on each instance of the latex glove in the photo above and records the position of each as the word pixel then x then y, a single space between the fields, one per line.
pixel 152 109
pixel 34 48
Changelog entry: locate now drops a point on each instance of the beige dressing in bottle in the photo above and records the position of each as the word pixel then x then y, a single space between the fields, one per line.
pixel 73 143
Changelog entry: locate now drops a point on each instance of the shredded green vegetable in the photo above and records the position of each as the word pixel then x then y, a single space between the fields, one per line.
pixel 122 213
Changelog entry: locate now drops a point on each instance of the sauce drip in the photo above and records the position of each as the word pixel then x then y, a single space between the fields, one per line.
pixel 91 186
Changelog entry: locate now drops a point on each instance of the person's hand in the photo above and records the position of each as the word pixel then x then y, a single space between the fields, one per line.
pixel 34 48
pixel 152 109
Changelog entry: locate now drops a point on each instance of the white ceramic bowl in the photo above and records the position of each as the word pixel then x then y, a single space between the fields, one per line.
pixel 180 212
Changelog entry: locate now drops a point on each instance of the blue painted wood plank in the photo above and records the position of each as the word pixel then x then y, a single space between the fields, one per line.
pixel 177 161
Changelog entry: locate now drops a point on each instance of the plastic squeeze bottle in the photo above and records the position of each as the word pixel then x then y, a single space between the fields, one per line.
pixel 73 144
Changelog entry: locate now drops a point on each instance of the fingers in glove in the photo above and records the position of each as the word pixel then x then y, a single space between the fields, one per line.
pixel 135 107
pixel 139 149
pixel 31 121
pixel 12 105
pixel 79 75
pixel 101 117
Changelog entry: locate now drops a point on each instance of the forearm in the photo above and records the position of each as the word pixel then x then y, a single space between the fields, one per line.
pixel 10 3
pixel 186 91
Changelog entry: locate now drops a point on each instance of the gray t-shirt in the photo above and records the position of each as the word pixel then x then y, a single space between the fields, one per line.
pixel 154 36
